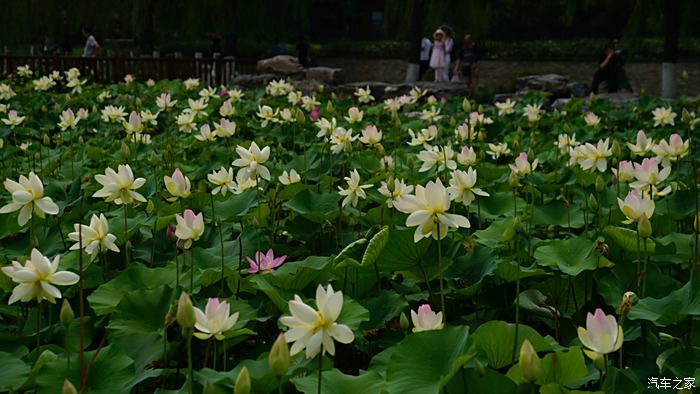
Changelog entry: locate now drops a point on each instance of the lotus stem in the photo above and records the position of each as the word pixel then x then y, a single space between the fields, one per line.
pixel 320 372
pixel 440 277
pixel 189 361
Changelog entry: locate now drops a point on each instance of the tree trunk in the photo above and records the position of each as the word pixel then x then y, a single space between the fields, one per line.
pixel 414 42
pixel 672 19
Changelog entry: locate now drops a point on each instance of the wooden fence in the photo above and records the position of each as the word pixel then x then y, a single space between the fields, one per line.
pixel 210 71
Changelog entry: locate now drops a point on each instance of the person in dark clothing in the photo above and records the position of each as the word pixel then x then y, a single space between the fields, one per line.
pixel 303 51
pixel 610 69
pixel 467 62
pixel 276 49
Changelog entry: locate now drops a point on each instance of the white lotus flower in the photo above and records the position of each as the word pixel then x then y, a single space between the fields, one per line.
pixel 354 190
pixel 215 320
pixel 149 118
pixel 437 157
pixel 112 114
pixel 506 107
pixel 532 112
pixel 43 84
pixel 207 93
pixel 191 83
pixel 235 94
pixel 424 136
pixel 134 125
pixel 185 122
pixel 625 173
pixel 251 161
pixel 596 156
pixel 28 198
pixel 198 107
pixel 205 134
pixel 341 140
pixel 278 88
pixel 36 279
pixel 223 179
pixel 326 127
pixel 95 237
pixel 676 148
pixel 288 178
pixel 498 150
pixel 663 116
pixel 428 209
pixel 462 188
pixel 316 330
pixel 430 115
pixel 24 71
pixel 565 142
pixel 364 95
pixel 6 92
pixel 13 119
pixel 394 190
pixel 267 115
pixel 119 187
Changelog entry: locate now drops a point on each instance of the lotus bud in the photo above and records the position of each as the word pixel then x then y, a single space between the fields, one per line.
pixel 629 299
pixel 299 114
pixel 615 149
pixel 242 382
pixel 279 359
pixel 479 367
pixel 68 387
pixel 208 387
pixel 513 180
pixel 80 140
pixel 453 122
pixel 481 136
pixel 403 321
pixel 37 156
pixel 138 101
pixel 644 227
pixel 185 312
pixel 466 105
pixel 153 158
pixel 592 202
pixel 2 143
pixel 46 140
pixel 685 116
pixel 67 315
pixel 697 221
pixel 529 362
pixel 150 207
pixel 684 75
pixel 599 184
pixel 125 152
pixel 329 107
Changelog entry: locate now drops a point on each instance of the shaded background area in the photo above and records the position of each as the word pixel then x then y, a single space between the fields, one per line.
pixel 374 28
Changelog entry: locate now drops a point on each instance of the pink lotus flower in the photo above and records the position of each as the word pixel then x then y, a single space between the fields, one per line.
pixel 315 113
pixel 522 165
pixel 426 320
pixel 265 263
pixel 602 335
pixel 648 175
pixel 626 171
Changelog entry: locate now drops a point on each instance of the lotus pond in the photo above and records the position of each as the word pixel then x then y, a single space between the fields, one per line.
pixel 170 237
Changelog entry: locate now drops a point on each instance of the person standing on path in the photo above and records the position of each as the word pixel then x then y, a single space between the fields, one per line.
pixel 91 45
pixel 438 60
pixel 425 45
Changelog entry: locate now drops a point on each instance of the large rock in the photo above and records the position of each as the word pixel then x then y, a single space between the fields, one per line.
pixel 253 81
pixel 327 75
pixel 619 99
pixel 280 65
pixel 552 83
